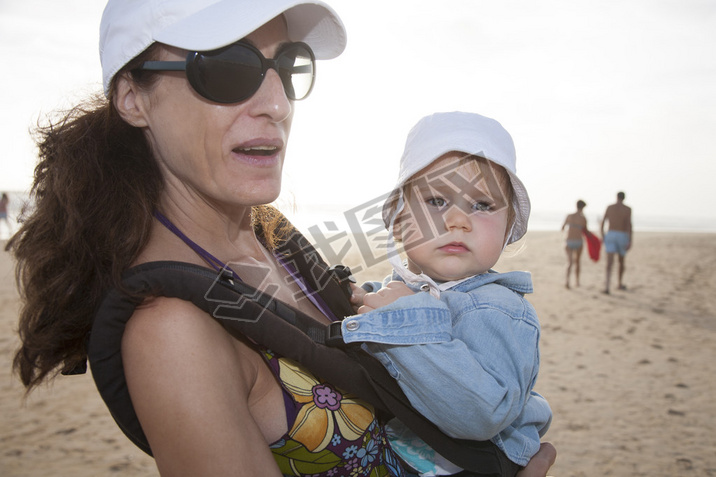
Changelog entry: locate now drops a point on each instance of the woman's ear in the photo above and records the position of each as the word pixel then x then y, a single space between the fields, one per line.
pixel 130 102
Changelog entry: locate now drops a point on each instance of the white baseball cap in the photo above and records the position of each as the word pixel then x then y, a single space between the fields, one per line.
pixel 129 27
pixel 472 134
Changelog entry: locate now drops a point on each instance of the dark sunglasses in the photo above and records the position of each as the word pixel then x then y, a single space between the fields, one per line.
pixel 234 73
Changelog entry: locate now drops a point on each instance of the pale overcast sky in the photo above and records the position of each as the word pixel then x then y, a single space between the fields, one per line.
pixel 599 96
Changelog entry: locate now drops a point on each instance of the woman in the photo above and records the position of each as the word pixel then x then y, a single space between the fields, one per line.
pixel 576 224
pixel 178 163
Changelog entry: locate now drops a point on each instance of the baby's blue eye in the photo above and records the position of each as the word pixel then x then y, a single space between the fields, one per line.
pixel 438 202
pixel 482 206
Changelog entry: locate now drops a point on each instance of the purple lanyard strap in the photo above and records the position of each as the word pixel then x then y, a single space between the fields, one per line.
pixel 220 266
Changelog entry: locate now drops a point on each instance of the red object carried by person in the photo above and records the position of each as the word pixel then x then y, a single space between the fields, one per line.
pixel 594 245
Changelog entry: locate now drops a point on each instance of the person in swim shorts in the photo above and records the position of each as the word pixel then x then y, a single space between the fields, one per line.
pixel 576 223
pixel 618 239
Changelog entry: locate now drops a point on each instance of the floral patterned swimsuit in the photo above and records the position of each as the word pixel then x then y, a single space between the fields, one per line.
pixel 333 434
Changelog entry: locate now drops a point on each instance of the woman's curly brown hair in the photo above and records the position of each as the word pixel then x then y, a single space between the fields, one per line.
pixel 95 189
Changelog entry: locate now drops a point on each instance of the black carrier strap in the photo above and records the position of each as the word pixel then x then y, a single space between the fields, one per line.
pixel 246 312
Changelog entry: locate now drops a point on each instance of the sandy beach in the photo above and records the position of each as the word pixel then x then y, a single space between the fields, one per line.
pixel 631 376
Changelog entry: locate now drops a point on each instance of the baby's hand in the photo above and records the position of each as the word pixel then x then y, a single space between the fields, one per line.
pixel 385 296
pixel 357 296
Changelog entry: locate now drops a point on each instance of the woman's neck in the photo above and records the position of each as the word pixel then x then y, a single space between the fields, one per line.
pixel 227 236
pixel 192 237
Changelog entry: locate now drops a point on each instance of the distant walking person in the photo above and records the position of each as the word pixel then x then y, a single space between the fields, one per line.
pixel 576 224
pixel 619 237
pixel 3 211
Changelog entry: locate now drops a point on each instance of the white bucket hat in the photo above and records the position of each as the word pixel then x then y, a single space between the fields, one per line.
pixel 439 134
pixel 129 27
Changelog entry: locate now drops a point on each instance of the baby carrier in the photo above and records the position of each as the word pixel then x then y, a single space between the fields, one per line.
pixel 276 326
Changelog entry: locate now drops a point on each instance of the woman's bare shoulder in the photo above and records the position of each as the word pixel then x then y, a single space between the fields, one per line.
pixel 172 330
pixel 190 383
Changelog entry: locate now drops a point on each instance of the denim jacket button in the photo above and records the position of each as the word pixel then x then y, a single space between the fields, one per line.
pixel 352 325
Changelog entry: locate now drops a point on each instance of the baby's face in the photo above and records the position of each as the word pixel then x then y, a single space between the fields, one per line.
pixel 455 219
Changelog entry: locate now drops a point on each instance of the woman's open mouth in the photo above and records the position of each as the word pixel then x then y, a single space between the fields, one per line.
pixel 257 151
pixel 263 154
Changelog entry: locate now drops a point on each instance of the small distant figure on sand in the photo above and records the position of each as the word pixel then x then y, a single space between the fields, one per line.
pixel 3 212
pixel 575 224
pixel 618 239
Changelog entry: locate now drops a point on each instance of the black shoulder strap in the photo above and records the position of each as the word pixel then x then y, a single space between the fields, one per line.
pixel 246 312
pixel 330 283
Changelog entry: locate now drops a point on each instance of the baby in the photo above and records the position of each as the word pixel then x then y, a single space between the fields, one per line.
pixel 460 338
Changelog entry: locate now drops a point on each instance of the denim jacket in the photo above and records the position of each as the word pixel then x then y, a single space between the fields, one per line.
pixel 475 361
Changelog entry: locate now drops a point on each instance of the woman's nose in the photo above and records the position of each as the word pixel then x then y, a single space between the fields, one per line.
pixel 271 99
